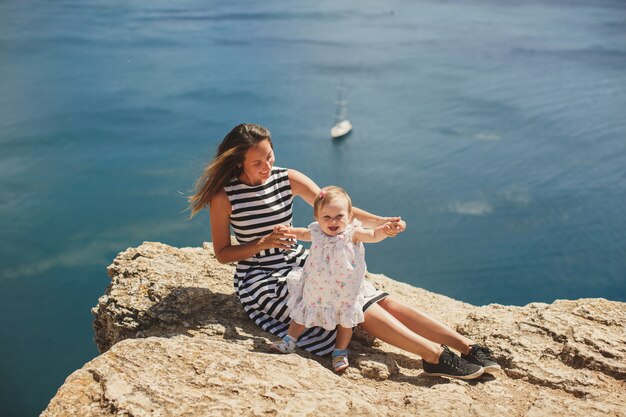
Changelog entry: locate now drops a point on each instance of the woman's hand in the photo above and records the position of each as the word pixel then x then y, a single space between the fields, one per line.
pixel 396 225
pixel 281 237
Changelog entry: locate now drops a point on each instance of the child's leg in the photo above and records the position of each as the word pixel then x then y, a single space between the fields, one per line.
pixel 295 330
pixel 288 344
pixel 344 335
pixel 340 354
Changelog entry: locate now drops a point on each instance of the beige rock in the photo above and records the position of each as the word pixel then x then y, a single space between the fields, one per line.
pixel 175 342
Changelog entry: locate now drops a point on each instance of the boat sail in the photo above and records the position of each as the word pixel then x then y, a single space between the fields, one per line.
pixel 342 125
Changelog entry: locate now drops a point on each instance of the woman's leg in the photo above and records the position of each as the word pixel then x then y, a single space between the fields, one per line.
pixel 425 325
pixel 381 324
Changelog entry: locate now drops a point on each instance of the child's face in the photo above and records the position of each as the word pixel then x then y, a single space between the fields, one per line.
pixel 334 216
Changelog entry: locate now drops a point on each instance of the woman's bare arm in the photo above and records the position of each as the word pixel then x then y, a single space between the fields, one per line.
pixel 306 188
pixel 220 234
pixel 369 219
pixel 303 186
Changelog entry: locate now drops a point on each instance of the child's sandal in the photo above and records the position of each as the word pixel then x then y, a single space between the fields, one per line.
pixel 287 345
pixel 340 360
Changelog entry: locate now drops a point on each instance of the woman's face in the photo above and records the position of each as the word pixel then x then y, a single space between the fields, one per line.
pixel 257 164
pixel 334 216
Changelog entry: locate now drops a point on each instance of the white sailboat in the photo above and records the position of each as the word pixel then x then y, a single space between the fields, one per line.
pixel 342 125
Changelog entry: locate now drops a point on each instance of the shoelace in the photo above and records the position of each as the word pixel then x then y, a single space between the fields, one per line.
pixel 451 359
pixel 482 353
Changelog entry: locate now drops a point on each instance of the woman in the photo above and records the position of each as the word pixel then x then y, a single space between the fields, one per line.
pixel 244 190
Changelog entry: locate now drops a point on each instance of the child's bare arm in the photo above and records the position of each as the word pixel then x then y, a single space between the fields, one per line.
pixel 302 233
pixel 372 235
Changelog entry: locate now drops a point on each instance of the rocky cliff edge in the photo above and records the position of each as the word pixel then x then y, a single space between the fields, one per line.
pixel 175 342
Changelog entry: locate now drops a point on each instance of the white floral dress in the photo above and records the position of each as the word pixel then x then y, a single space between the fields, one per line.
pixel 329 289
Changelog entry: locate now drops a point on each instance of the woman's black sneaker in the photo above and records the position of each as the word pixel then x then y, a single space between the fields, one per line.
pixel 482 356
pixel 452 366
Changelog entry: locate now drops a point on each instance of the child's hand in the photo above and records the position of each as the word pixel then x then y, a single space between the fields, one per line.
pixel 287 231
pixel 281 237
pixel 387 228
pixel 395 226
pixel 281 229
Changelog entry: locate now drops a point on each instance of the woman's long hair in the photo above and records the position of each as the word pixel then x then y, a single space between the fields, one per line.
pixel 227 163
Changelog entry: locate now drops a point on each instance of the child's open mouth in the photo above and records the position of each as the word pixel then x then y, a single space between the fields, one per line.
pixel 333 228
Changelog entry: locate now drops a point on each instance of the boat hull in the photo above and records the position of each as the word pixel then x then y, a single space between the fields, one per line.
pixel 341 129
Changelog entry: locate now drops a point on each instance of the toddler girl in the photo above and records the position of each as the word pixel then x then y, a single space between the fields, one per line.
pixel 330 286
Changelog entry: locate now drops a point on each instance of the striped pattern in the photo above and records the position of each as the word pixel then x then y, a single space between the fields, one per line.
pixel 260 280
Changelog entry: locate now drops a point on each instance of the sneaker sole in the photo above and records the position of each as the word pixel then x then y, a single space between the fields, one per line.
pixel 492 369
pixel 470 376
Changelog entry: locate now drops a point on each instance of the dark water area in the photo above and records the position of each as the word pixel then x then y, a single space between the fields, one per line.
pixel 497 130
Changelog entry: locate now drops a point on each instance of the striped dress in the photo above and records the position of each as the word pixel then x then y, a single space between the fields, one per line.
pixel 260 280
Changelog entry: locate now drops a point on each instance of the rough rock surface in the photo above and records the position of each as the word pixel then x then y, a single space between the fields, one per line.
pixel 175 342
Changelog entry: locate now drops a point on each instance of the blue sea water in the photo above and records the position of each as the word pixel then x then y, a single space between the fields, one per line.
pixel 496 129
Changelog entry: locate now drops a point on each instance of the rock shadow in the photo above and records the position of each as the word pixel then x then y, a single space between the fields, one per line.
pixel 189 310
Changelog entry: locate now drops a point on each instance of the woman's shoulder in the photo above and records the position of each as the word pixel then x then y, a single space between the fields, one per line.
pixel 302 185
pixel 294 175
pixel 232 183
pixel 220 201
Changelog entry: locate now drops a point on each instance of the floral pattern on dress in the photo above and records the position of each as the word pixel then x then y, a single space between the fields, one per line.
pixel 329 289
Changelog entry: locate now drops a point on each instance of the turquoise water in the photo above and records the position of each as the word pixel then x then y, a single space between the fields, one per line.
pixel 496 129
